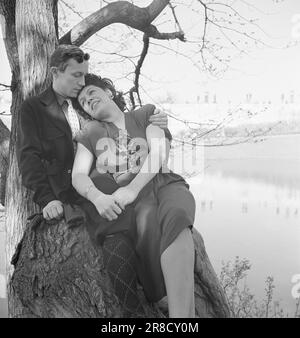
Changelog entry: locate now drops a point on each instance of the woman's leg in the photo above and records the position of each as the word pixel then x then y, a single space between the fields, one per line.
pixel 120 262
pixel 148 248
pixel 176 213
pixel 177 263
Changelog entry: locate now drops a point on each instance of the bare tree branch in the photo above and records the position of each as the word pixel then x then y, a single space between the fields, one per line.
pixel 72 9
pixel 205 24
pixel 153 32
pixel 5 86
pixel 175 17
pixel 139 66
pixel 131 96
pixel 156 7
pixel 121 12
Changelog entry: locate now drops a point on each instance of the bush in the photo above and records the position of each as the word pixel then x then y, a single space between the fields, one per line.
pixel 242 301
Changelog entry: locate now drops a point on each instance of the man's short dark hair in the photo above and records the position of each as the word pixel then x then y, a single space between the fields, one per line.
pixel 63 53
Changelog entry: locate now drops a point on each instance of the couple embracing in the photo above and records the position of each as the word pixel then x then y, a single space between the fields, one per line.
pixel 77 145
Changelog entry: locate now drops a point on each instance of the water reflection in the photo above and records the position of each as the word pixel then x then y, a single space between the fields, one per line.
pixel 208 205
pixel 253 219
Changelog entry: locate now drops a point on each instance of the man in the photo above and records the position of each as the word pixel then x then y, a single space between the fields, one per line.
pixel 48 125
pixel 45 146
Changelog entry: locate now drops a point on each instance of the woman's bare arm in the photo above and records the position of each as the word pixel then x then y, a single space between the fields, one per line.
pixel 80 173
pixel 81 181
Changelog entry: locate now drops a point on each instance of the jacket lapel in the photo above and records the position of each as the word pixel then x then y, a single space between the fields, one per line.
pixel 54 111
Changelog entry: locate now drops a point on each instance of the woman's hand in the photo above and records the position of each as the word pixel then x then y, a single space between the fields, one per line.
pixel 159 119
pixel 124 196
pixel 123 179
pixel 107 207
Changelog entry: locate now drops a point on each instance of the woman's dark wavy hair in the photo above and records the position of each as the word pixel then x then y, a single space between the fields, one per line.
pixel 103 83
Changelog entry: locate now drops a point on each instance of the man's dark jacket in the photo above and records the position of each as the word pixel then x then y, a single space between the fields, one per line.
pixel 45 149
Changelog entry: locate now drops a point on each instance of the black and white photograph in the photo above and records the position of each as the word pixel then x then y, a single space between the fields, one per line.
pixel 149 161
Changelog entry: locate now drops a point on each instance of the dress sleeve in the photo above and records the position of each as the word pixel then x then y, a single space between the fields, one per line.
pixel 91 133
pixel 142 116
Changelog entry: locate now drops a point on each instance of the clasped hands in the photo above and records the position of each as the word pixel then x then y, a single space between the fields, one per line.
pixel 111 206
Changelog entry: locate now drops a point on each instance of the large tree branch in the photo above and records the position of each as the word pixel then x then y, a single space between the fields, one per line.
pixel 156 7
pixel 153 32
pixel 121 12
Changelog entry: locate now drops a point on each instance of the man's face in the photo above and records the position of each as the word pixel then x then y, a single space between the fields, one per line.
pixel 69 82
pixel 96 102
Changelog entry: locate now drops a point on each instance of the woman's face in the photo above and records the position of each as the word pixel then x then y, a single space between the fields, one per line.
pixel 96 102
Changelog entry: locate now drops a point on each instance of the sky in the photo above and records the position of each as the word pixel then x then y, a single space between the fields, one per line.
pixel 266 72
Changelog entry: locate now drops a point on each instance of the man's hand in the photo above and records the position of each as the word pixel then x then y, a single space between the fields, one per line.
pixel 53 209
pixel 124 196
pixel 159 119
pixel 107 207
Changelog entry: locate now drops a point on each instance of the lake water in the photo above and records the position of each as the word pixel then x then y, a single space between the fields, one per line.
pixel 248 205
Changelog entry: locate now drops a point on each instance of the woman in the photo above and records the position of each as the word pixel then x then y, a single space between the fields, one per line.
pixel 111 169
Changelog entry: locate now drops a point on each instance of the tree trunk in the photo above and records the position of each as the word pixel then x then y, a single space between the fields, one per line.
pixel 14 193
pixel 58 273
pixel 31 38
pixel 4 151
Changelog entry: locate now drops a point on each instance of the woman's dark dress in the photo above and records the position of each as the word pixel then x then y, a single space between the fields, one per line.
pixel 161 211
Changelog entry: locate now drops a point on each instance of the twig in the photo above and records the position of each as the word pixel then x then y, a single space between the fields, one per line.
pixel 5 86
pixel 175 17
pixel 138 68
